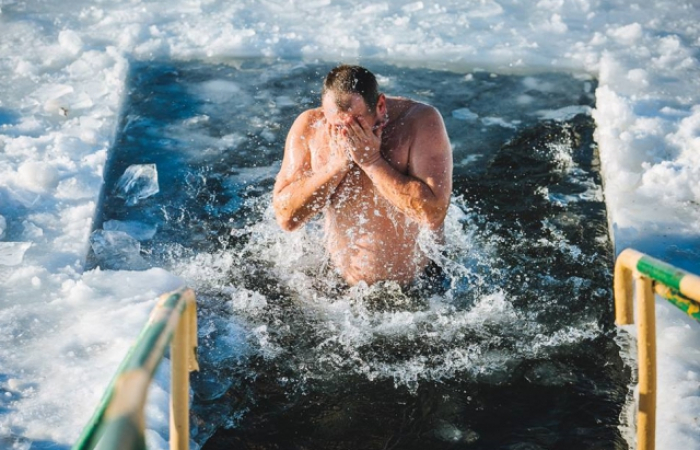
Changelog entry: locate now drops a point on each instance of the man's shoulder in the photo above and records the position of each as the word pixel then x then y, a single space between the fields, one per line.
pixel 423 110
pixel 309 117
pixel 413 109
pixel 424 123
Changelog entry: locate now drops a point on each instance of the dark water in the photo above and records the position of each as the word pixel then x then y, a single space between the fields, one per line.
pixel 516 351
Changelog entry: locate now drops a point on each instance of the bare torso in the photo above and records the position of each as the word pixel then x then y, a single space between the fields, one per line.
pixel 368 238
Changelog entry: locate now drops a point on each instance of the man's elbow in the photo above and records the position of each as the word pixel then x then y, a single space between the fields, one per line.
pixel 286 221
pixel 288 224
pixel 435 221
pixel 284 218
pixel 434 217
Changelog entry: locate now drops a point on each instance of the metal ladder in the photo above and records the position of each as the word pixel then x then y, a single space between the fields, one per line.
pixel 648 276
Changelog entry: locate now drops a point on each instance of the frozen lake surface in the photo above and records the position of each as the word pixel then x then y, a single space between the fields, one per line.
pixel 65 72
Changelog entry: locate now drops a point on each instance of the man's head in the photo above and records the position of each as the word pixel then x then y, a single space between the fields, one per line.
pixel 352 91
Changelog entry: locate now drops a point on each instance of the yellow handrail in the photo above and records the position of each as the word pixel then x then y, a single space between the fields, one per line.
pixel 118 422
pixel 680 288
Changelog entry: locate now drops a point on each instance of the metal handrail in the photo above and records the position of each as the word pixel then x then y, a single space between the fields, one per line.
pixel 118 422
pixel 679 287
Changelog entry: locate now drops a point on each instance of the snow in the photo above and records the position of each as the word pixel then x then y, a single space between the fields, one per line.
pixel 63 68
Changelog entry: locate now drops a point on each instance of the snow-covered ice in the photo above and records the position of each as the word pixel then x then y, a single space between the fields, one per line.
pixel 12 253
pixel 63 74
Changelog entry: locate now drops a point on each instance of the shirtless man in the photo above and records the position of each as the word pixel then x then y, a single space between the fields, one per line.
pixel 379 167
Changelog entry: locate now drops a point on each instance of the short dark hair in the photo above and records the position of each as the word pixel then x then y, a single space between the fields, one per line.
pixel 346 79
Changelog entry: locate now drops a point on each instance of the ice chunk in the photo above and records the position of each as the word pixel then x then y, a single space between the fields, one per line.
pixel 71 41
pixel 217 91
pixel 37 176
pixel 52 92
pixel 31 232
pixel 12 253
pixel 139 181
pixel 283 101
pixel 498 121
pixel 75 188
pixel 137 230
pixel 412 7
pixel 315 4
pixel 627 34
pixel 565 113
pixel 196 120
pixel 3 226
pixel 464 114
pixel 116 250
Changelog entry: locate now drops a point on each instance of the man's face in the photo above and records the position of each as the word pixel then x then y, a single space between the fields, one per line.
pixel 343 109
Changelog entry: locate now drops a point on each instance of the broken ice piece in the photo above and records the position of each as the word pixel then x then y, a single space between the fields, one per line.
pixel 139 181
pixel 12 253
pixel 464 114
pixel 116 250
pixel 137 230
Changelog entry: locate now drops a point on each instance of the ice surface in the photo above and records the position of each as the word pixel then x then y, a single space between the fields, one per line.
pixel 139 181
pixel 63 77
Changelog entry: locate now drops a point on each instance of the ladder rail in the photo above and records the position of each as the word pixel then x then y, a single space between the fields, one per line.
pixel 118 421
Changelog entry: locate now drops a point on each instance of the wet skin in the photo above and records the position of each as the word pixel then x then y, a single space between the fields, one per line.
pixel 379 175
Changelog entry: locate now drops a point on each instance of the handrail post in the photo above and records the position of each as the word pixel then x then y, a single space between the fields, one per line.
pixel 624 307
pixel 646 417
pixel 183 360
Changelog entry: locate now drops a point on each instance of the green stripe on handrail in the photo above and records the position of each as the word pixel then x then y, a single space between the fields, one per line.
pixel 89 437
pixel 124 434
pixel 145 345
pixel 661 271
pixel 681 302
pixel 144 348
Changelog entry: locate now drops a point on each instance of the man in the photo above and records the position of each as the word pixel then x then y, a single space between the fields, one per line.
pixel 379 167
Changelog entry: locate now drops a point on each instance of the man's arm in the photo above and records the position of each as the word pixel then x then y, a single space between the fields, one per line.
pixel 424 193
pixel 299 192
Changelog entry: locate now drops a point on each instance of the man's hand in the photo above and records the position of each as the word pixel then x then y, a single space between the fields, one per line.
pixel 339 154
pixel 363 142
